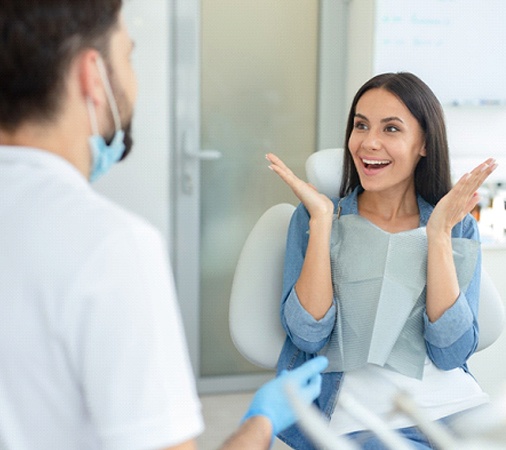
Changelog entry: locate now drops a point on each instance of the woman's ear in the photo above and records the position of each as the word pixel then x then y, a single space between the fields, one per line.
pixel 423 151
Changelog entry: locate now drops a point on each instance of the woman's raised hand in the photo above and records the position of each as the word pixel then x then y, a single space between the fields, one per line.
pixel 461 199
pixel 318 205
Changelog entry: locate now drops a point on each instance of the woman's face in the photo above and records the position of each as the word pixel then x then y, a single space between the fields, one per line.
pixel 386 142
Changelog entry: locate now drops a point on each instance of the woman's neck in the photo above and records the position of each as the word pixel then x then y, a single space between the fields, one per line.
pixel 392 213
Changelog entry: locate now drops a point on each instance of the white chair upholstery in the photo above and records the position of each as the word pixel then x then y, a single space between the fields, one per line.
pixel 254 314
pixel 256 290
pixel 324 170
pixel 491 312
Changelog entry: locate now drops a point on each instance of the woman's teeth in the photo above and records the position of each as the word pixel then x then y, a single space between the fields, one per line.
pixel 375 163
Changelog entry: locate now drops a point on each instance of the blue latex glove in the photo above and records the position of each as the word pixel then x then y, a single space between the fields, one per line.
pixel 272 402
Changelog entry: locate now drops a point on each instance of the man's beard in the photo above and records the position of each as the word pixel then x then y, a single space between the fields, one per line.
pixel 122 105
pixel 127 139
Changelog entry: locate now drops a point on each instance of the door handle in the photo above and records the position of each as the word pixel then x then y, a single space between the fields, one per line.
pixel 205 155
pixel 189 155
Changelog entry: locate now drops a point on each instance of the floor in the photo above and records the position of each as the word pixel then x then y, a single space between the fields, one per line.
pixel 222 414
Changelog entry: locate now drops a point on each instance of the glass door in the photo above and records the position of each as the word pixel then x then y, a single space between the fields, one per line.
pixel 259 88
pixel 246 83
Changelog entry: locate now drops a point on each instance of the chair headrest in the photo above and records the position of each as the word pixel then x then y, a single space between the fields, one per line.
pixel 324 170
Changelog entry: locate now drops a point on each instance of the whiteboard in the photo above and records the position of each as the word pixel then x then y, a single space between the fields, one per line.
pixel 458 47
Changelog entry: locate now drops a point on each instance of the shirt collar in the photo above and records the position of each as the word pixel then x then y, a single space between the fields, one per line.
pixel 42 160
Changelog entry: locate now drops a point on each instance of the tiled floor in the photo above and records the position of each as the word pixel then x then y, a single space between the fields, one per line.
pixel 222 414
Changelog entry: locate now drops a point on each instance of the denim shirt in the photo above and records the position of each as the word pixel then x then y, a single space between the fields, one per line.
pixel 450 340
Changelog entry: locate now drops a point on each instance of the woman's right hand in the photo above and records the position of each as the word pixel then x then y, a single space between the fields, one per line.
pixel 460 200
pixel 317 204
pixel 314 285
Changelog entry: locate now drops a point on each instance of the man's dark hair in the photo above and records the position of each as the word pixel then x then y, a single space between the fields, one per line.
pixel 432 174
pixel 38 40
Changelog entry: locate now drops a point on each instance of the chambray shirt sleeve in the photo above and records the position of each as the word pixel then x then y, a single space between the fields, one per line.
pixel 453 338
pixel 307 333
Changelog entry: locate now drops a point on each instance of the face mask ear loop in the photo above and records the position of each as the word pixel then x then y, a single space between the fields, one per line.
pixel 108 92
pixel 93 116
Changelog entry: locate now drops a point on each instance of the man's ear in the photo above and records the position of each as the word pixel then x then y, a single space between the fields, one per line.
pixel 89 76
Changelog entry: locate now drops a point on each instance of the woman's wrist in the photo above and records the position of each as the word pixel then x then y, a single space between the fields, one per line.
pixel 321 221
pixel 439 237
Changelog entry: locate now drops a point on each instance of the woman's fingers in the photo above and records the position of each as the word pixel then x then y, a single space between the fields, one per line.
pixel 315 202
pixel 283 171
pixel 300 188
pixel 469 183
pixel 462 198
pixel 273 159
pixel 474 179
pixel 464 195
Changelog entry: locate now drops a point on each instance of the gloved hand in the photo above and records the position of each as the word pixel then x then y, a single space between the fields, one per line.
pixel 272 401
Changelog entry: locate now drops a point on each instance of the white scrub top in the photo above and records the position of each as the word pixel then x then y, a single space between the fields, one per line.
pixel 92 350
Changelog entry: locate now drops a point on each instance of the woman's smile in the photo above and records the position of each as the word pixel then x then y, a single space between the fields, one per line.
pixel 373 166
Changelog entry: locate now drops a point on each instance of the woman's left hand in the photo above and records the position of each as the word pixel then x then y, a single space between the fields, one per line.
pixel 461 199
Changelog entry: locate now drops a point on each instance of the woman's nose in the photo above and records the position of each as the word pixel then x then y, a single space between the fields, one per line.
pixel 371 140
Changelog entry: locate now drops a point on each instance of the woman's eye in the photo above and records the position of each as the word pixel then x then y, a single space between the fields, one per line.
pixel 360 126
pixel 392 129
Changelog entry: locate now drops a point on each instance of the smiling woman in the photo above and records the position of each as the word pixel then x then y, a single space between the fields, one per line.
pixel 374 284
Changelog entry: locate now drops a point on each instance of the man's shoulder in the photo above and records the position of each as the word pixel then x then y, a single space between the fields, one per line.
pixel 88 222
pixel 106 213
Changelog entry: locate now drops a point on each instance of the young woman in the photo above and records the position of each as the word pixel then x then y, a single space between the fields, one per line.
pixel 385 279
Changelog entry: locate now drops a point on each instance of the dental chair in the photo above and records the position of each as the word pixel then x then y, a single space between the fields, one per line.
pixel 254 314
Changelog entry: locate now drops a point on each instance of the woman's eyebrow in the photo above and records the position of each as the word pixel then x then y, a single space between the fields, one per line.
pixel 386 119
pixel 392 119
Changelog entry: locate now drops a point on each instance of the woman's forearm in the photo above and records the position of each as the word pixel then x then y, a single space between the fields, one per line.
pixel 314 286
pixel 442 283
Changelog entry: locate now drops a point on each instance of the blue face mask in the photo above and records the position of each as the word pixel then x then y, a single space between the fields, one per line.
pixel 104 155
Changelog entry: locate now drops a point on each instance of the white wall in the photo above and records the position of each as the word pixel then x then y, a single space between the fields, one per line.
pixel 474 134
pixel 141 183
